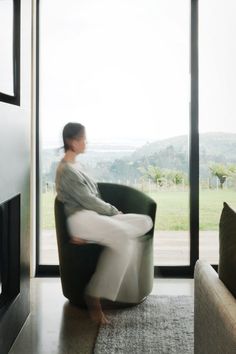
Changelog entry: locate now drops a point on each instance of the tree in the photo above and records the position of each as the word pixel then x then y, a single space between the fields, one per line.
pixel 163 176
pixel 154 173
pixel 232 169
pixel 221 172
pixel 175 176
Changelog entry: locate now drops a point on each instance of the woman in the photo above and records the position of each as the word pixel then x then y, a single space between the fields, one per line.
pixel 89 218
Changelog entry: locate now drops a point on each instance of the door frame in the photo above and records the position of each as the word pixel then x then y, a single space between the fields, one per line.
pixel 168 271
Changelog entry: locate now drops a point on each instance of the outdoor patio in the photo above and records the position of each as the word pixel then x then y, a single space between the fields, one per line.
pixel 170 247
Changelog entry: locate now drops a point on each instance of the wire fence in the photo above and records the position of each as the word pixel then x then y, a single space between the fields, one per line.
pixel 148 185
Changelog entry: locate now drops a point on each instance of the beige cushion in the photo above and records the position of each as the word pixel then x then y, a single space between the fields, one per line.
pixel 227 260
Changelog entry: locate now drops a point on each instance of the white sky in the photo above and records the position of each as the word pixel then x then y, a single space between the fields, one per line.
pixel 122 67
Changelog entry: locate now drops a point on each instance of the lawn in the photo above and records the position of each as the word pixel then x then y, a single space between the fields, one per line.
pixel 172 209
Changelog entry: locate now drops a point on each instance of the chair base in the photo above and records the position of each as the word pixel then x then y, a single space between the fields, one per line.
pixel 112 305
pixel 108 304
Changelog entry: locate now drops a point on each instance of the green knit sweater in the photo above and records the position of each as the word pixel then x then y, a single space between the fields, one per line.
pixel 78 191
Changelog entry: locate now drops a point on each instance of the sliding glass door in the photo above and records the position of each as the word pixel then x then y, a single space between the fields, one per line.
pixel 123 70
pixel 217 57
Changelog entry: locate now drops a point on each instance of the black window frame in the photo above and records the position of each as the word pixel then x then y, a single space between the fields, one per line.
pixel 166 271
pixel 15 98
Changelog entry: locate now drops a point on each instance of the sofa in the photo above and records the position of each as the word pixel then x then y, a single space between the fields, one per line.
pixel 214 313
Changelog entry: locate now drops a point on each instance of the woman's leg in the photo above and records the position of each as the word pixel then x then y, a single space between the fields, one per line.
pixel 112 263
pixel 136 224
pixel 91 226
pixel 95 310
pixel 117 233
pixel 107 279
pixel 110 271
pixel 115 257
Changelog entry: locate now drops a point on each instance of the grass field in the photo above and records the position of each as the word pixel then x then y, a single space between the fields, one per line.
pixel 172 209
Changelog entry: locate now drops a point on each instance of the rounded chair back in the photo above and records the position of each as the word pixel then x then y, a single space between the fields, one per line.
pixel 77 263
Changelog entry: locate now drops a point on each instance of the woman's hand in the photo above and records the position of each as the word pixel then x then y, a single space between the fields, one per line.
pixel 77 241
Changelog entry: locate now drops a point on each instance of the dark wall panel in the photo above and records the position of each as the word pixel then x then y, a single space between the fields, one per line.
pixel 15 125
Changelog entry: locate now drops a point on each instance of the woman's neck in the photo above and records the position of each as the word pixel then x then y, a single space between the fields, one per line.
pixel 70 156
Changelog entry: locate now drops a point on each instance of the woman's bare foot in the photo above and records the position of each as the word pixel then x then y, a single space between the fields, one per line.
pixel 95 310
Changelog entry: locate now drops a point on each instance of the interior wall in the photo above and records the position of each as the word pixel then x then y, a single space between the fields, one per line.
pixel 15 159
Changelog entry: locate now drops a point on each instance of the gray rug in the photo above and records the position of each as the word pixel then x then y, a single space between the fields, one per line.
pixel 160 325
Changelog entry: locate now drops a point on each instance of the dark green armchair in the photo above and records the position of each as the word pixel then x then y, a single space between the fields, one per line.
pixel 77 263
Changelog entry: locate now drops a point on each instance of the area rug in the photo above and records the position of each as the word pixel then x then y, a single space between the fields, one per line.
pixel 160 325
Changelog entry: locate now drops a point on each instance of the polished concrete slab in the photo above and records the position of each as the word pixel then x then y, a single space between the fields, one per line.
pixel 56 327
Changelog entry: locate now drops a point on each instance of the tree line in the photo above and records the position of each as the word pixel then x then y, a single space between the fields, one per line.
pixel 166 167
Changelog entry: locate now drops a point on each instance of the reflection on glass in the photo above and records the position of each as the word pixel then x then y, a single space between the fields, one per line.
pixel 6 45
pixel 0 278
pixel 1 248
pixel 122 69
pixel 217 56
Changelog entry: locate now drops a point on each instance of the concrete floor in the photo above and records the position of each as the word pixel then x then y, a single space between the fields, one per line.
pixel 56 327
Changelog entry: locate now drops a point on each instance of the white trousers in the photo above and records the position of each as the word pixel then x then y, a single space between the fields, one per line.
pixel 119 233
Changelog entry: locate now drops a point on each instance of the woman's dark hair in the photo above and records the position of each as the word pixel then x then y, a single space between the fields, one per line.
pixel 72 131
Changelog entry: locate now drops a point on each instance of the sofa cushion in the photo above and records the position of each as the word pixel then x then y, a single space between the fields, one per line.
pixel 227 260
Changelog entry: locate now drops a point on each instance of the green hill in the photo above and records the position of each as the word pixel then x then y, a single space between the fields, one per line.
pixel 212 146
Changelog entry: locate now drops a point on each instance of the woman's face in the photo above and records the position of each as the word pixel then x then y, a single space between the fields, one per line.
pixel 79 144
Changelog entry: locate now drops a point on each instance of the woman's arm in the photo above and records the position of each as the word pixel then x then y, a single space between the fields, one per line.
pixel 78 190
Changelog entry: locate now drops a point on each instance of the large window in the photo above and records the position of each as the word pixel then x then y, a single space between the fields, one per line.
pixel 217 57
pixel 122 69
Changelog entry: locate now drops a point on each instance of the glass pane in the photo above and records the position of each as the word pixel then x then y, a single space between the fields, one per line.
pixel 122 69
pixel 217 57
pixel 1 250
pixel 6 45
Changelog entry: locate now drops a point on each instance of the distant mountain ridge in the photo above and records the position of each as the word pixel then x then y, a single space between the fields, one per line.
pixel 122 163
pixel 210 144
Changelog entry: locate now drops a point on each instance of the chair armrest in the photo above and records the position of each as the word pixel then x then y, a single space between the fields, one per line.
pixel 128 199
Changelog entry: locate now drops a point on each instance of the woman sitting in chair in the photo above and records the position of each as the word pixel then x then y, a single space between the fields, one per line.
pixel 90 219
